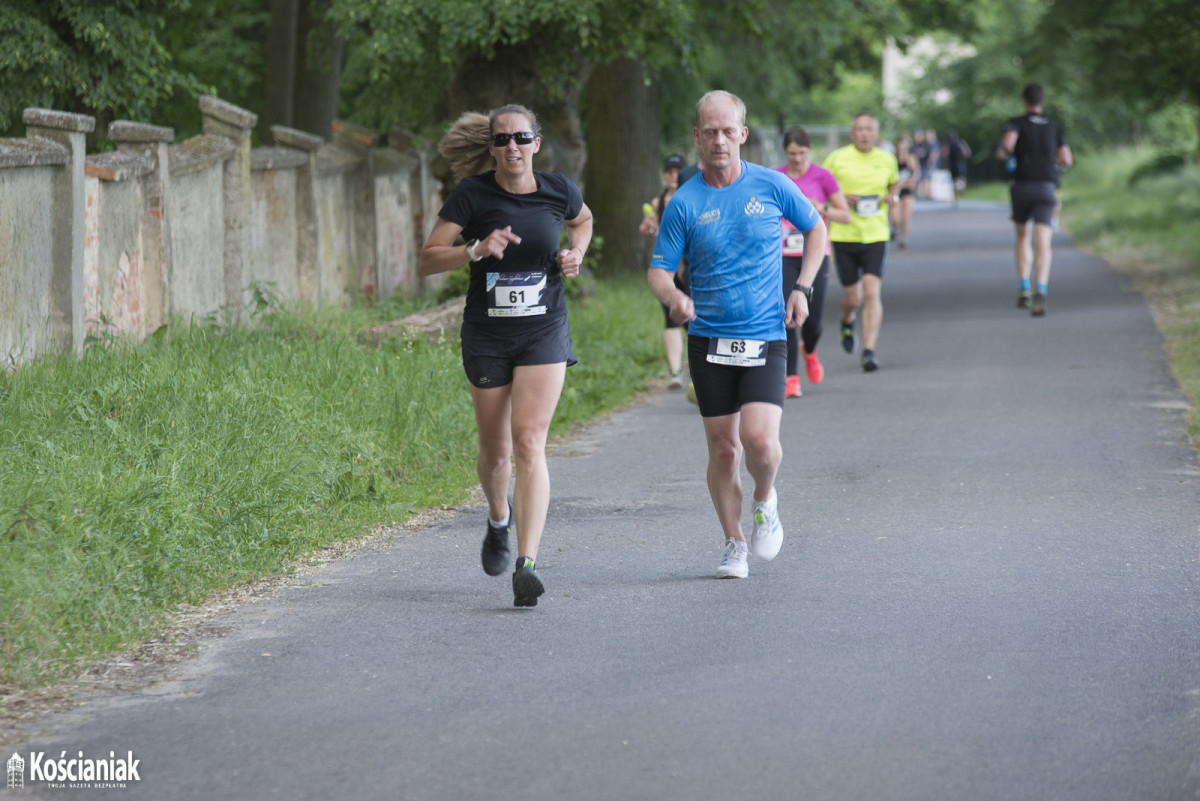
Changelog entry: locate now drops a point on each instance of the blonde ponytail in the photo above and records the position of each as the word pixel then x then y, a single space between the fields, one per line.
pixel 465 145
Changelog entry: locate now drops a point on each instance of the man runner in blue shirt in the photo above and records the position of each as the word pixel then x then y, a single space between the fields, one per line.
pixel 727 225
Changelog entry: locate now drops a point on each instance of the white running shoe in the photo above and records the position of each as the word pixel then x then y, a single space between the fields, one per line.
pixel 734 564
pixel 768 531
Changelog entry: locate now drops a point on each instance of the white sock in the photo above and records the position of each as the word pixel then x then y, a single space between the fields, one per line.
pixel 771 500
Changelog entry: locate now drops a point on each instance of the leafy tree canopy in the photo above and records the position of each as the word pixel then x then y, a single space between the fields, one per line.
pixel 1107 68
pixel 86 56
pixel 135 59
pixel 404 53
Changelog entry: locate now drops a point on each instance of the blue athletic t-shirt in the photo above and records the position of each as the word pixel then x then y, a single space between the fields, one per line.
pixel 730 237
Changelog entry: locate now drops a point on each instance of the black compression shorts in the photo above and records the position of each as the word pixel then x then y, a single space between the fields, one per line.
pixel 489 355
pixel 856 259
pixel 722 389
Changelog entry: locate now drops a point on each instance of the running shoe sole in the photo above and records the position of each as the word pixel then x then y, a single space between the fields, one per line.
pixel 526 587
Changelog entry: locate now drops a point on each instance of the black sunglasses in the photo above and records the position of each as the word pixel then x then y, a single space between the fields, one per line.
pixel 521 138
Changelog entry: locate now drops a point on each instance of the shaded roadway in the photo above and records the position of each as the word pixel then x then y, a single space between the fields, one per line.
pixel 989 589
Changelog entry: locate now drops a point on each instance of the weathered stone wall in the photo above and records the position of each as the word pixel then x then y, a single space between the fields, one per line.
pixel 122 242
pixel 27 209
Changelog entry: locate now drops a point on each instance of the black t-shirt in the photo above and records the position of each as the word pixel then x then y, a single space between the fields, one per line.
pixel 510 291
pixel 1038 141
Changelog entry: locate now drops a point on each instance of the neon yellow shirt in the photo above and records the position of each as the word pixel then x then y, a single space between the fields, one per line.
pixel 867 175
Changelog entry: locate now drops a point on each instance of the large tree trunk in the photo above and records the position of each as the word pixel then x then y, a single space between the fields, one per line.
pixel 623 168
pixel 304 67
pixel 512 75
pixel 318 76
pixel 281 65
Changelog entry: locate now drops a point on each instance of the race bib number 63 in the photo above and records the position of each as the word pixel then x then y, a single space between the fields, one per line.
pixel 737 352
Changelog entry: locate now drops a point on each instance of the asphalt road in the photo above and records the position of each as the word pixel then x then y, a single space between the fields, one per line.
pixel 989 589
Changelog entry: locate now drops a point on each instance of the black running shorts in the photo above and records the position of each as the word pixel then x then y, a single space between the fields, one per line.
pixel 856 259
pixel 489 355
pixel 1034 200
pixel 722 389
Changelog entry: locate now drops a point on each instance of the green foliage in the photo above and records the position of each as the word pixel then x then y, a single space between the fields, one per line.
pixel 140 476
pixel 219 43
pixel 1140 51
pixel 145 60
pixel 1068 47
pixel 1162 164
pixel 1176 127
pixel 457 281
pixel 404 53
pixel 86 56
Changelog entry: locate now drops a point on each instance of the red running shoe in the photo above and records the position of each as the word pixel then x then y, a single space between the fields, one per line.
pixel 792 388
pixel 814 368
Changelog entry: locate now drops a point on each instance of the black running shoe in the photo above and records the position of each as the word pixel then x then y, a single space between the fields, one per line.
pixel 1023 299
pixel 495 553
pixel 869 363
pixel 848 337
pixel 526 584
pixel 1039 305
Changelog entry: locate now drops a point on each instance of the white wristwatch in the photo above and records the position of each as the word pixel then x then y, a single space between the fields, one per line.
pixel 471 250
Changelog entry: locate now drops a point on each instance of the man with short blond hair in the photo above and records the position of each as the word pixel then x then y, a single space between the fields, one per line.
pixel 726 223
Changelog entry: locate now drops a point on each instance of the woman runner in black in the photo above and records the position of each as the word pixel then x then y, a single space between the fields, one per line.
pixel 516 341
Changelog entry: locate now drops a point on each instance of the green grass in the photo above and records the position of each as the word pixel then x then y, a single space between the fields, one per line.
pixel 1139 209
pixel 138 477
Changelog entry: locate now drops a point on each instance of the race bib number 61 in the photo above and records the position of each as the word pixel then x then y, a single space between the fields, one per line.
pixel 516 294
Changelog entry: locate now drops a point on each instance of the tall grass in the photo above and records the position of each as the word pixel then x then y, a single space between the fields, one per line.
pixel 137 477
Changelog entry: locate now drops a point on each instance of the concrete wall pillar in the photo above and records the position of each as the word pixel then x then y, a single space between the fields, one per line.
pixel 67 248
pixel 235 124
pixel 307 230
pixel 151 141
pixel 363 277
